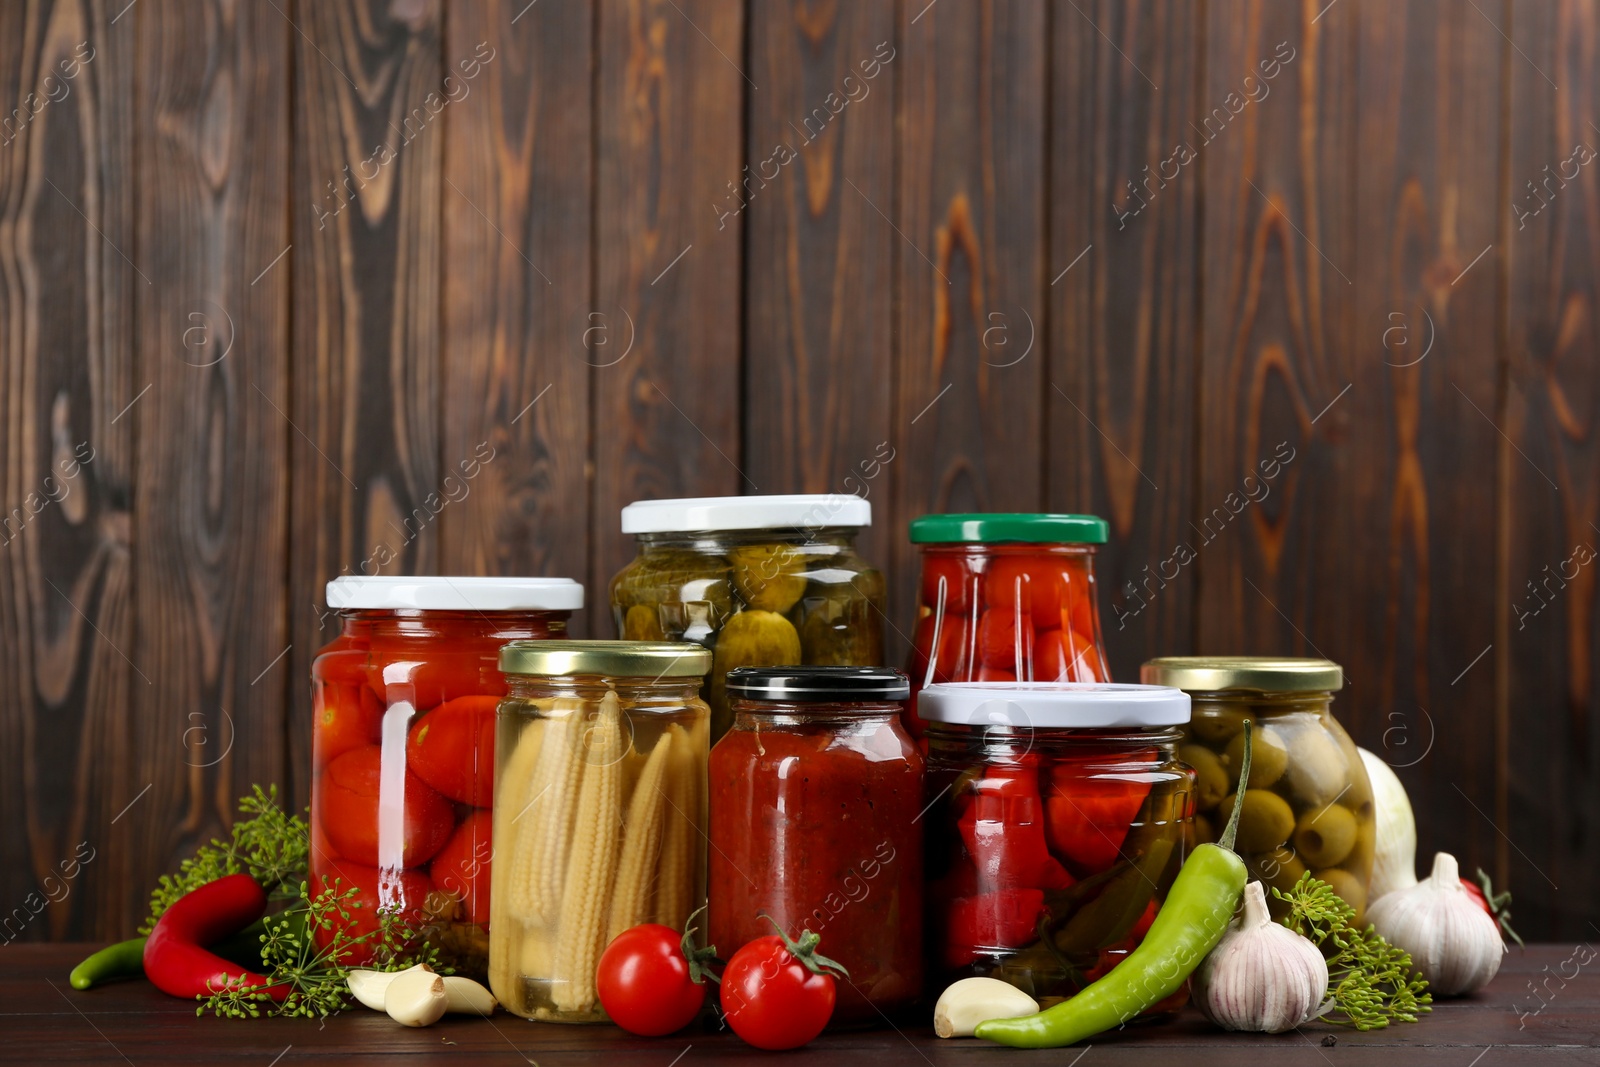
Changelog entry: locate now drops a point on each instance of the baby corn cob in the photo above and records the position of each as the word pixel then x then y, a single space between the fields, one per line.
pixel 675 879
pixel 544 821
pixel 590 873
pixel 637 867
pixel 511 794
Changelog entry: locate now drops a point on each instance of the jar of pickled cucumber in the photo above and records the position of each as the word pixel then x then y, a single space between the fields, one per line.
pixel 1308 803
pixel 599 811
pixel 762 581
pixel 1058 817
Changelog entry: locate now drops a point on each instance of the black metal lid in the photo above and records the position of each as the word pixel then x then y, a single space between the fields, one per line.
pixel 818 685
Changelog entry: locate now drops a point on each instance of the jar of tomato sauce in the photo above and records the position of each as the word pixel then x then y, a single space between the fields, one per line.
pixel 1006 597
pixel 815 796
pixel 403 706
pixel 1057 820
pixel 599 813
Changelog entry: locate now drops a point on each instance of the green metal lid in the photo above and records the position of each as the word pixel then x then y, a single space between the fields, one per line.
pixel 1263 674
pixel 1030 527
pixel 609 659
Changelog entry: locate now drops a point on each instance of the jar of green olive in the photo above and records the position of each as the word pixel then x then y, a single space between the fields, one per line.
pixel 1308 803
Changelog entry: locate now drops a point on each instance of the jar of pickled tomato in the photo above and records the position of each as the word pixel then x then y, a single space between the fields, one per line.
pixel 1057 820
pixel 815 797
pixel 403 706
pixel 1308 804
pixel 1004 598
pixel 600 817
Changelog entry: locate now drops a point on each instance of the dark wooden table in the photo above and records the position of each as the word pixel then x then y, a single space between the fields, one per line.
pixel 44 1021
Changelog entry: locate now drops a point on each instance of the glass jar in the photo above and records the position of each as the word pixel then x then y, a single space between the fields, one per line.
pixel 1005 598
pixel 1057 820
pixel 403 749
pixel 763 581
pixel 816 792
pixel 600 812
pixel 1308 804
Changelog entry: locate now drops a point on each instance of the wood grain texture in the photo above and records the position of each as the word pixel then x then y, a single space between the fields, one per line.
pixel 666 415
pixel 211 559
pixel 1120 401
pixel 971 258
pixel 369 111
pixel 1420 482
pixel 819 316
pixel 43 1025
pixel 515 366
pixel 1551 222
pixel 68 293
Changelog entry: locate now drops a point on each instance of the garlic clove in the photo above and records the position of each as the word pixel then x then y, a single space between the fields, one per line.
pixel 369 986
pixel 1394 860
pixel 1261 977
pixel 468 997
pixel 1451 939
pixel 416 998
pixel 965 1004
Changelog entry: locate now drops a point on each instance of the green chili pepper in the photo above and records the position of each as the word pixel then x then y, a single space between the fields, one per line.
pixel 125 959
pixel 1193 919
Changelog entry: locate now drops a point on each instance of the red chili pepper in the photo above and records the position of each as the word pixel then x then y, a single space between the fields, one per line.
pixel 175 957
pixel 1003 827
pixel 1007 918
pixel 1088 817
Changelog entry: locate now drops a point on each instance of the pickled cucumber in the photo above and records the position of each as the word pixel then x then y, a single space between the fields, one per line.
pixel 749 639
pixel 642 623
pixel 768 577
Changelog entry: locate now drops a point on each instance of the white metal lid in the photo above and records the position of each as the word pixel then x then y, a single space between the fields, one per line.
pixel 1053 705
pixel 441 593
pixel 794 511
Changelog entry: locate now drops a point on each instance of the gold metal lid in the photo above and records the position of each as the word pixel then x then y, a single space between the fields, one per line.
pixel 1263 674
pixel 611 659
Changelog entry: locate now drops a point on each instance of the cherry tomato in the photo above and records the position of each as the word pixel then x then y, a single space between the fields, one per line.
pixel 1064 656
pixel 403 892
pixel 430 679
pixel 344 662
pixel 1078 601
pixel 348 805
pixel 345 717
pixel 461 867
pixel 772 998
pixel 1033 582
pixel 452 749
pixel 1476 893
pixel 651 980
pixel 947 577
pixel 1087 816
pixel 955 660
pixel 999 641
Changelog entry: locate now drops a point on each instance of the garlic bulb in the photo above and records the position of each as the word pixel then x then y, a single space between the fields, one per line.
pixel 1261 976
pixel 1394 860
pixel 1451 939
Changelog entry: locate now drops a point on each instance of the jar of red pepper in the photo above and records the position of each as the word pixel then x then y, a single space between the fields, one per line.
pixel 815 797
pixel 1006 597
pixel 1057 820
pixel 403 705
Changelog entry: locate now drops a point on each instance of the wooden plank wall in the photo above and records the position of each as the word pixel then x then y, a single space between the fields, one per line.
pixel 269 273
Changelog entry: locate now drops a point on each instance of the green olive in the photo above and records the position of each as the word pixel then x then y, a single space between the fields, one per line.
pixel 768 577
pixel 1211 780
pixel 1216 726
pixel 1265 823
pixel 642 624
pixel 1359 862
pixel 1347 885
pixel 1325 836
pixel 1279 868
pixel 1319 772
pixel 1202 833
pixel 1269 756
